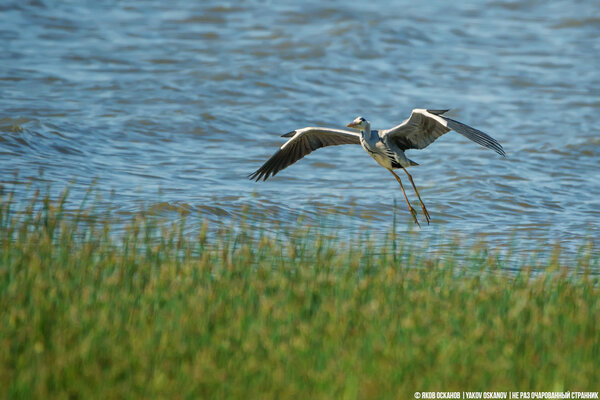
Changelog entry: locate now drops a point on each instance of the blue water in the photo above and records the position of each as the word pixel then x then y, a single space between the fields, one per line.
pixel 172 104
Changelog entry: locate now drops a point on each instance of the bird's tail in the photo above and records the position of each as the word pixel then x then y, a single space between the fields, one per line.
pixel 412 163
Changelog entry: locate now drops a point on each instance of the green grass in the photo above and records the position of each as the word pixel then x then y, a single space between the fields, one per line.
pixel 151 312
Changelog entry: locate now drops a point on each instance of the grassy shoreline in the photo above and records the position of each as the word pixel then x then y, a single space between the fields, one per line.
pixel 154 312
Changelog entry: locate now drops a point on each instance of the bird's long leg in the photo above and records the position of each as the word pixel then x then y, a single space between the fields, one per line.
pixel 413 212
pixel 419 196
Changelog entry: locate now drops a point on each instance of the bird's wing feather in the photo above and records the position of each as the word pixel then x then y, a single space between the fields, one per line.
pixel 418 131
pixel 475 135
pixel 425 126
pixel 303 142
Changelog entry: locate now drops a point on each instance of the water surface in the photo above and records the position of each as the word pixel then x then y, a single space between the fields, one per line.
pixel 172 104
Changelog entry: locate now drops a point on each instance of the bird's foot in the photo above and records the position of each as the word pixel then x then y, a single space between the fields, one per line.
pixel 426 213
pixel 413 212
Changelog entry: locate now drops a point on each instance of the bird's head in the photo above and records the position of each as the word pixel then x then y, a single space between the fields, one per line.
pixel 359 123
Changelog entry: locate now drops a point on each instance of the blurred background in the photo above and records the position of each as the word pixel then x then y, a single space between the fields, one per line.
pixel 172 104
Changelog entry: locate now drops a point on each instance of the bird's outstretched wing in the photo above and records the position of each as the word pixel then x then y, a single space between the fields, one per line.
pixel 425 126
pixel 303 142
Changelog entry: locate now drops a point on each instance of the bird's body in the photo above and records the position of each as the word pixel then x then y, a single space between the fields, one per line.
pixel 386 154
pixel 387 146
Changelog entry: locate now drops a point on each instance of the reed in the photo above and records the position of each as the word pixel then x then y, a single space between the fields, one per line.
pixel 151 311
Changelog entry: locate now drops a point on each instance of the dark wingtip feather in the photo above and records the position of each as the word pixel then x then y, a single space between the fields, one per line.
pixel 501 151
pixel 476 135
pixel 257 175
pixel 252 176
pixel 438 112
pixel 289 134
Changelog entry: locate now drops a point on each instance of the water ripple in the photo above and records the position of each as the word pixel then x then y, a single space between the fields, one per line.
pixel 174 105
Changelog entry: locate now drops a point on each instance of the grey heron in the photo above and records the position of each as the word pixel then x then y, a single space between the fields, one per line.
pixel 386 146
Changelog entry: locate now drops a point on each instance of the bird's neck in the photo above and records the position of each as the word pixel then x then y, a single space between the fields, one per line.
pixel 366 133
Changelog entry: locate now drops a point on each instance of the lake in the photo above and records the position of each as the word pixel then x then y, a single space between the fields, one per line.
pixel 172 104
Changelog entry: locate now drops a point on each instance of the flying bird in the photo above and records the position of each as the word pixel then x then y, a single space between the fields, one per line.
pixel 386 146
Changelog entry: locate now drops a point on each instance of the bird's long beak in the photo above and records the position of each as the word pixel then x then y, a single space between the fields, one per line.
pixel 351 125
